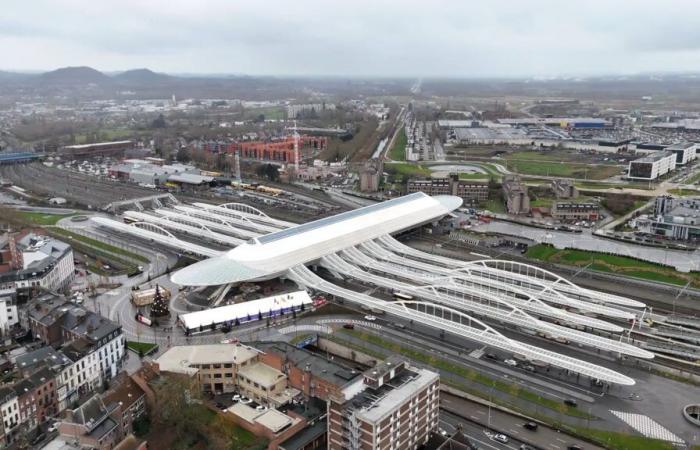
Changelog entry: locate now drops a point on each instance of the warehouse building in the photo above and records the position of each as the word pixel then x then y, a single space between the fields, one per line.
pixel 653 166
pixel 98 148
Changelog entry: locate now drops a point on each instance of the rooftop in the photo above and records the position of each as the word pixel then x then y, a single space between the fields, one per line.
pixel 273 254
pixel 654 157
pixel 372 404
pixel 182 358
pixel 44 355
pixel 331 371
pixel 262 374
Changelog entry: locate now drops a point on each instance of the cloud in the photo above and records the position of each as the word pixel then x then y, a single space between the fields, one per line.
pixel 385 38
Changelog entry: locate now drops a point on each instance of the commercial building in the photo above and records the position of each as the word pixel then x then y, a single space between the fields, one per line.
pixel 652 166
pixel 148 173
pixel 491 136
pixel 214 366
pixel 674 218
pixel 684 151
pixel 296 111
pixel 471 192
pixel 574 212
pixel 515 195
pixel 229 315
pixel 564 188
pixel 392 406
pixel 37 398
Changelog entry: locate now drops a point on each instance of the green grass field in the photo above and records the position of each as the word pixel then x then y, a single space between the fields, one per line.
pixel 603 262
pixel 143 346
pixel 467 373
pixel 474 176
pixel 270 113
pixel 99 244
pixel 684 192
pixel 495 205
pixel 38 218
pixel 398 151
pixel 408 169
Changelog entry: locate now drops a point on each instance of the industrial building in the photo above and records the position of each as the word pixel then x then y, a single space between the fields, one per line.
pixel 685 152
pixel 492 136
pixel 515 195
pixel 674 218
pixel 98 148
pixel 147 173
pixel 652 166
pixel 394 405
pixel 564 188
pixel 472 192
pixel 563 122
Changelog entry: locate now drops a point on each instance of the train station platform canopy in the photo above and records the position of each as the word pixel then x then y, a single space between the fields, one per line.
pixel 273 254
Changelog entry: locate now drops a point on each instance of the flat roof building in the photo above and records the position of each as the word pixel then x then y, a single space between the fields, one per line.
pixel 684 151
pixel 469 191
pixel 393 406
pixel 652 166
pixel 675 218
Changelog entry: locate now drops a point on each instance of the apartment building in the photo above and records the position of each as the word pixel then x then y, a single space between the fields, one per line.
pixel 58 324
pixel 575 212
pixel 393 406
pixel 472 192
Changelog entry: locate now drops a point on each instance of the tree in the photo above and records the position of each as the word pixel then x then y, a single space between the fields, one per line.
pixel 159 122
pixel 159 308
pixel 183 155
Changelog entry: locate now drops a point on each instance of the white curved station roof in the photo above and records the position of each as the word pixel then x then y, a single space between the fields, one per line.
pixel 271 255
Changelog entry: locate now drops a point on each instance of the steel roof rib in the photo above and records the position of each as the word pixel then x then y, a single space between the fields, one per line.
pixel 543 291
pixel 196 229
pixel 157 234
pixel 511 314
pixel 471 284
pixel 459 323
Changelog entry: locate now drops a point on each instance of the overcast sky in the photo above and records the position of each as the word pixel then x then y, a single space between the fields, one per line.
pixel 354 37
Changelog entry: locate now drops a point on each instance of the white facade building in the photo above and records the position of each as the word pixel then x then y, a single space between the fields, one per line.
pixel 685 152
pixel 653 166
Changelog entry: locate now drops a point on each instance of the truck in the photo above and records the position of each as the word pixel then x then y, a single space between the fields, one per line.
pixel 145 297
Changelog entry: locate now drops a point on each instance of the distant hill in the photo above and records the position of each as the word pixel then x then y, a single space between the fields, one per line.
pixel 142 76
pixel 74 76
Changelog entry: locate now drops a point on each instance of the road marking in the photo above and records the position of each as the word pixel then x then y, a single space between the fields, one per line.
pixel 647 426
pixel 474 417
pixel 513 431
pixel 561 440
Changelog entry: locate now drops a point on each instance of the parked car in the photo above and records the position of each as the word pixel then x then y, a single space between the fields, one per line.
pixel 349 326
pixel 245 400
pixel 492 356
pixel 511 362
pixel 236 398
pixel 571 402
pixel 370 318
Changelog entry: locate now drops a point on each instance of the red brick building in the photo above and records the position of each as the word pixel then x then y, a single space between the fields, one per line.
pixel 281 150
pixel 393 406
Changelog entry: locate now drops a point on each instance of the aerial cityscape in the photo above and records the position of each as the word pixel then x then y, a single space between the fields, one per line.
pixel 377 226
